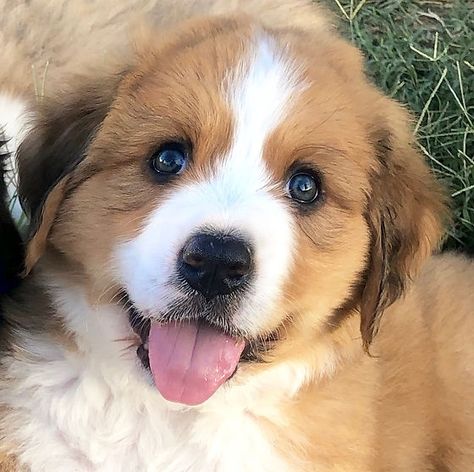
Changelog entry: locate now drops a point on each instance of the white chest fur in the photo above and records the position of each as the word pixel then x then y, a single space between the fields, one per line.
pixel 71 417
pixel 95 411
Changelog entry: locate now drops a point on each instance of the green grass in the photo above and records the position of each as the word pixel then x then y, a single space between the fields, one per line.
pixel 422 53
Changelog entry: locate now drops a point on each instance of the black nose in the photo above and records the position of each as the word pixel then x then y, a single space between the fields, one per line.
pixel 215 264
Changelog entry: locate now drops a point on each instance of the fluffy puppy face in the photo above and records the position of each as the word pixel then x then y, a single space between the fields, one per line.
pixel 243 188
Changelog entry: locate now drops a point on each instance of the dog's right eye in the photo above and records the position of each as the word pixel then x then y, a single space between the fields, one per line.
pixel 170 159
pixel 304 187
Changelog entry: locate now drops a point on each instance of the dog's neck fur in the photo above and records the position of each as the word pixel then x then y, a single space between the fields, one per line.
pixel 85 397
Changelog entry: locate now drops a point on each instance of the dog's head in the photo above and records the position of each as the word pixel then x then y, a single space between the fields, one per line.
pixel 242 187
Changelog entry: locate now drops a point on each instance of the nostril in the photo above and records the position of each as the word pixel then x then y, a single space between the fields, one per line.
pixel 238 270
pixel 194 260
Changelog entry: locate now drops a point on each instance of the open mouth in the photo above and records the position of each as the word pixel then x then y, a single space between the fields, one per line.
pixel 188 360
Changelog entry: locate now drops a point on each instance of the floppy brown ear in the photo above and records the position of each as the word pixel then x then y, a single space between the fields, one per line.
pixel 52 151
pixel 406 214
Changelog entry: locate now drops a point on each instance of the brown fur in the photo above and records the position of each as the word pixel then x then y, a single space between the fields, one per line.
pixel 382 217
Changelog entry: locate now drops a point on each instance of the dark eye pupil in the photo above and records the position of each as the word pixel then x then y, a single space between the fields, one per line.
pixel 170 159
pixel 303 188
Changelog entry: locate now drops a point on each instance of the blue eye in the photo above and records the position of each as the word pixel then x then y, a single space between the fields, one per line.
pixel 170 159
pixel 304 188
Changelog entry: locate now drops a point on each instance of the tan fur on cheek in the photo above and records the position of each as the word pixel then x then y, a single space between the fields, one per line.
pixel 107 210
pixel 322 278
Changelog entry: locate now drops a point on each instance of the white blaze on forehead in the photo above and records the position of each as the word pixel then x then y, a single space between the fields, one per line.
pixel 236 197
pixel 260 94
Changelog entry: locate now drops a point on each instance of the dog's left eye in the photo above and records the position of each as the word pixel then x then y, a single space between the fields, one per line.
pixel 304 187
pixel 169 159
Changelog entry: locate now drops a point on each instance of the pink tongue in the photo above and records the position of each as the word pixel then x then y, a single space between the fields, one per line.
pixel 190 361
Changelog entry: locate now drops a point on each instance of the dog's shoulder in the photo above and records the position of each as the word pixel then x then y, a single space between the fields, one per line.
pixel 447 280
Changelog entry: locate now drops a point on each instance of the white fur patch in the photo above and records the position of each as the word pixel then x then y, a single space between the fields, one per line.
pixel 237 198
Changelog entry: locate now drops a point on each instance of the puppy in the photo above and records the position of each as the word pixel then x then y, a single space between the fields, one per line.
pixel 230 265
